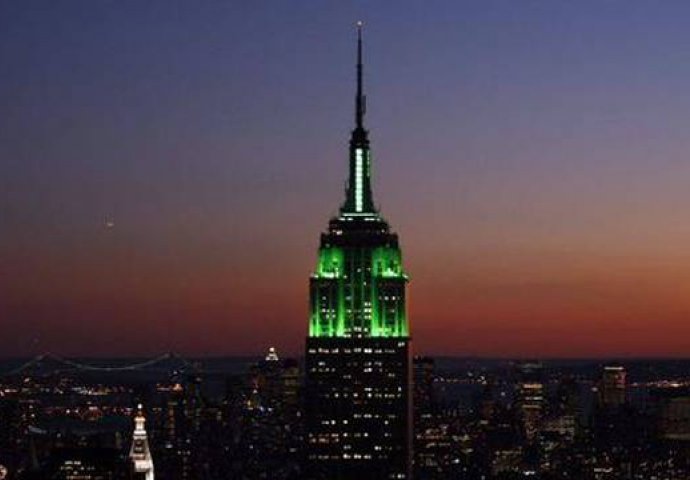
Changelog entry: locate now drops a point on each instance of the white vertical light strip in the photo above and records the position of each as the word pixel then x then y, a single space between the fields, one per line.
pixel 359 161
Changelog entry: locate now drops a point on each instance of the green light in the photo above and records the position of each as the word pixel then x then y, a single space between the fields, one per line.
pixel 358 291
pixel 387 263
pixel 330 263
pixel 359 188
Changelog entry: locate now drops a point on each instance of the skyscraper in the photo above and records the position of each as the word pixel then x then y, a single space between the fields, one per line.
pixel 358 412
pixel 140 454
pixel 530 397
pixel 613 386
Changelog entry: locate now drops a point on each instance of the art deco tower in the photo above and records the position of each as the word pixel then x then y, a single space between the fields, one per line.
pixel 357 353
pixel 140 454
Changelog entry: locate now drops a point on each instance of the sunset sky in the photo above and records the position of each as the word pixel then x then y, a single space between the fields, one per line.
pixel 166 168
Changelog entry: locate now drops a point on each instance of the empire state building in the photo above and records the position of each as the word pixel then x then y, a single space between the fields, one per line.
pixel 357 409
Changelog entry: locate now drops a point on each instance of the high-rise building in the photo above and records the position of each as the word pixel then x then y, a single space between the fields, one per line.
pixel 673 412
pixel 531 398
pixel 423 374
pixel 140 454
pixel 357 389
pixel 431 438
pixel 612 390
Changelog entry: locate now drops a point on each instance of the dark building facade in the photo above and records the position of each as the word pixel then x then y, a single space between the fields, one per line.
pixel 612 388
pixel 357 390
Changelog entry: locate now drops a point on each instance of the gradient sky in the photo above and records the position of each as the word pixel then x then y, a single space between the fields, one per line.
pixel 533 156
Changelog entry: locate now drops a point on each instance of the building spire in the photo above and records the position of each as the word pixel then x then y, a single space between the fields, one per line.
pixel 360 100
pixel 359 199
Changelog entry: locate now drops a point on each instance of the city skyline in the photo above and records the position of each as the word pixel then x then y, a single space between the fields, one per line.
pixel 151 155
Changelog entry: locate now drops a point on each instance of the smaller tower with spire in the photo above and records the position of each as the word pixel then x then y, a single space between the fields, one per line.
pixel 140 454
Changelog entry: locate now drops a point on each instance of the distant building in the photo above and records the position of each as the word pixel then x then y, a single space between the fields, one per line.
pixel 531 400
pixel 433 443
pixel 562 413
pixel 272 355
pixel 357 389
pixel 176 423
pixel 269 436
pixel 140 454
pixel 612 387
pixel 423 374
pixel 673 407
pixel 275 383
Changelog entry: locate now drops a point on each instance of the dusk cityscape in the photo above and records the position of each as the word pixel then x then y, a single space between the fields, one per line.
pixel 344 240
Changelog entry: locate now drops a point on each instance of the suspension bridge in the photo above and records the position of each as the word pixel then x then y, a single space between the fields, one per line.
pixel 47 358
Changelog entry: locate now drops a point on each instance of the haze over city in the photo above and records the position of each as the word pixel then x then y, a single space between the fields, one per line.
pixel 165 171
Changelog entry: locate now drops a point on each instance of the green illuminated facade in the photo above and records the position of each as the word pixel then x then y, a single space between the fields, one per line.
pixel 358 289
